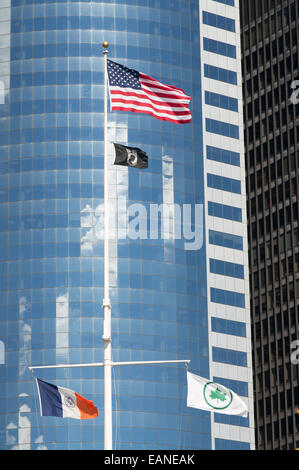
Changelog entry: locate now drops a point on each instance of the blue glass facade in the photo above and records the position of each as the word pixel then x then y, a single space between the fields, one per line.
pixel 51 161
pixel 221 22
pixel 223 75
pixel 168 302
pixel 219 47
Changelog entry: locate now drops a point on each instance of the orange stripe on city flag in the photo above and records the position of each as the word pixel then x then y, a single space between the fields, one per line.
pixel 86 408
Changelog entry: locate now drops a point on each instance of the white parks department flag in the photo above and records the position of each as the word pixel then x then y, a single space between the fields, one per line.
pixel 207 395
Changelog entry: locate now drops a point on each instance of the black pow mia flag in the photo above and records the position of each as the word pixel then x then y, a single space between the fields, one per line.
pixel 130 156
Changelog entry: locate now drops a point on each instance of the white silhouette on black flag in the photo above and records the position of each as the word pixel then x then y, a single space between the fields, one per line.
pixel 130 156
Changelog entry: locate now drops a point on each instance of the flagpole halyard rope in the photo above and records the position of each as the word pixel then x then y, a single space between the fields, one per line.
pixel 36 400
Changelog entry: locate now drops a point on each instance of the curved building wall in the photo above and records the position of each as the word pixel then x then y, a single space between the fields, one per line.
pixel 51 226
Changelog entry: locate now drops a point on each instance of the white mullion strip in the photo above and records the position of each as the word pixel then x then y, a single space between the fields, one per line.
pixel 226 226
pixel 235 200
pixel 222 169
pixel 221 9
pixel 227 254
pixel 221 141
pixel 223 115
pixel 202 6
pixel 234 433
pixel 234 314
pixel 226 198
pixel 222 88
pixel 220 61
pixel 218 34
pixel 229 371
pixel 223 340
pixel 217 281
pixel 225 143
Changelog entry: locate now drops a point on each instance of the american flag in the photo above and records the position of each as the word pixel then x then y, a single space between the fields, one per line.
pixel 133 91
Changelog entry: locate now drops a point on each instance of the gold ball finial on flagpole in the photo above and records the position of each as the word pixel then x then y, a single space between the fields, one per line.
pixel 105 44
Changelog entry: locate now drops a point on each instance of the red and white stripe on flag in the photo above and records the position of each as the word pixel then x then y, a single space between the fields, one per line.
pixel 149 96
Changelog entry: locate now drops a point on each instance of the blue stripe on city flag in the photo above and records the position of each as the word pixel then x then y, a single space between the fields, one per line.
pixel 50 399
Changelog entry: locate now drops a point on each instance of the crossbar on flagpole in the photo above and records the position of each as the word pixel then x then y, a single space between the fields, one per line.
pixel 101 364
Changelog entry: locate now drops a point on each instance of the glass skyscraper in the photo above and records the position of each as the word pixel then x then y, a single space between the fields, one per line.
pixel 171 298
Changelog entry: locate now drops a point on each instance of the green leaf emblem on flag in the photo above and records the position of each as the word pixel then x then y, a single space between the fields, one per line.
pixel 217 396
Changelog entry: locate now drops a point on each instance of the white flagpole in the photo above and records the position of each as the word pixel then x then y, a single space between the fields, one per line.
pixel 106 300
